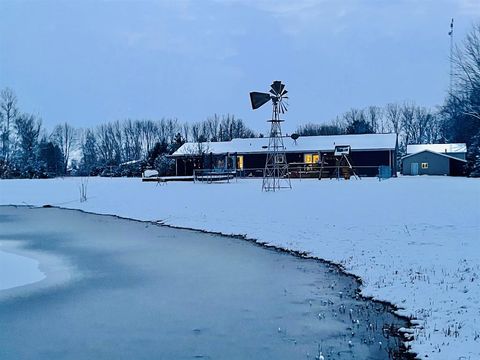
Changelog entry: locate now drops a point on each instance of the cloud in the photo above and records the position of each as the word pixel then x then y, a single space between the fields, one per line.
pixel 301 16
pixel 286 7
pixel 469 7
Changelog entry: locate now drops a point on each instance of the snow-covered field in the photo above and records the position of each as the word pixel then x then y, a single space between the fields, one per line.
pixel 415 241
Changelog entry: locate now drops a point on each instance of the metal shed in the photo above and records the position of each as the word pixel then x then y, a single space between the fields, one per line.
pixel 428 162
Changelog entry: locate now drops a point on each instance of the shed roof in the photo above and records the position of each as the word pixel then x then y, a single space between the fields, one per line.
pixel 439 148
pixel 303 144
pixel 436 153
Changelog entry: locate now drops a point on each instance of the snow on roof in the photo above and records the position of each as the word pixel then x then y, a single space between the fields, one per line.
pixel 439 148
pixel 303 144
pixel 436 153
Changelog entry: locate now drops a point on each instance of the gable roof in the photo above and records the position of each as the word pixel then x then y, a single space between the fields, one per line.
pixel 439 148
pixel 303 144
pixel 436 153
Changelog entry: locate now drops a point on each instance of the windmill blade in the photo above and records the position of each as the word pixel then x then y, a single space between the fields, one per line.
pixel 258 99
pixel 284 93
pixel 277 87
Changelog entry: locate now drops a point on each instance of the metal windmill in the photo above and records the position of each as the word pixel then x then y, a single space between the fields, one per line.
pixel 275 176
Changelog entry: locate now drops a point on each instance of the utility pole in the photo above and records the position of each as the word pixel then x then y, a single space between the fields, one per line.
pixel 450 33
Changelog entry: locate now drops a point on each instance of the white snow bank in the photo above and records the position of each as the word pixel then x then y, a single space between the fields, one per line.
pixel 415 241
pixel 17 270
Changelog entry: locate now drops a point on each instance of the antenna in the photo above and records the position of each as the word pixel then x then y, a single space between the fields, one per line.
pixel 450 33
pixel 275 175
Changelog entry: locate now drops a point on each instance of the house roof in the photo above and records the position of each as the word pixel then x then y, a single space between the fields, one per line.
pixel 302 144
pixel 439 148
pixel 436 153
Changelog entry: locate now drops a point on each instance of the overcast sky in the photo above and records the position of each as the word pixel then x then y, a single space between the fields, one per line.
pixel 88 62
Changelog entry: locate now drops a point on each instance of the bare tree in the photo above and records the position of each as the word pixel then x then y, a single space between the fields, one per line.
pixel 105 143
pixel 231 128
pixel 198 132
pixel 393 116
pixel 213 127
pixel 432 132
pixel 374 116
pixel 423 119
pixel 172 129
pixel 467 67
pixel 186 131
pixel 8 114
pixel 462 108
pixel 132 145
pixel 408 123
pixel 149 135
pixel 64 136
pixel 353 115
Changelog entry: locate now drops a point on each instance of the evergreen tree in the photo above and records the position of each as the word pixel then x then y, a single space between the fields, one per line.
pixel 159 148
pixel 89 161
pixel 52 158
pixel 473 157
pixel 27 128
pixel 177 142
pixel 359 126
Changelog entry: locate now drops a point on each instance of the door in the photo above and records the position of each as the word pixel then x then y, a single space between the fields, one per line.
pixel 414 168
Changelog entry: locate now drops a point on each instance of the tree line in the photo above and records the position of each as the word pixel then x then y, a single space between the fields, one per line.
pixel 118 148
pixel 414 124
pixel 126 147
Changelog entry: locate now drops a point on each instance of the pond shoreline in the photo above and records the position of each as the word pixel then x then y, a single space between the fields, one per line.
pixel 404 351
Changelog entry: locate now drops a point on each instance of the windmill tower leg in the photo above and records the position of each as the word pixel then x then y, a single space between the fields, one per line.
pixel 276 175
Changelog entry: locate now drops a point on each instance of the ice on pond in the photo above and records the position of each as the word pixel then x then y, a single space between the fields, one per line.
pixel 145 291
pixel 17 270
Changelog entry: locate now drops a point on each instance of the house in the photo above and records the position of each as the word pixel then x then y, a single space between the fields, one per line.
pixel 303 154
pixel 435 159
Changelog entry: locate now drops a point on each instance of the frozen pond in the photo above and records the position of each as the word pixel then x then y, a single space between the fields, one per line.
pixel 120 289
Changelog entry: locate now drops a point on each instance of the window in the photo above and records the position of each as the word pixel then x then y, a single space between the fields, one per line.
pixel 311 158
pixel 424 165
pixel 240 162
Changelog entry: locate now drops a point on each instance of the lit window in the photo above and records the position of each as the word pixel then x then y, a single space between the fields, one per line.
pixel 424 165
pixel 308 158
pixel 316 158
pixel 240 162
